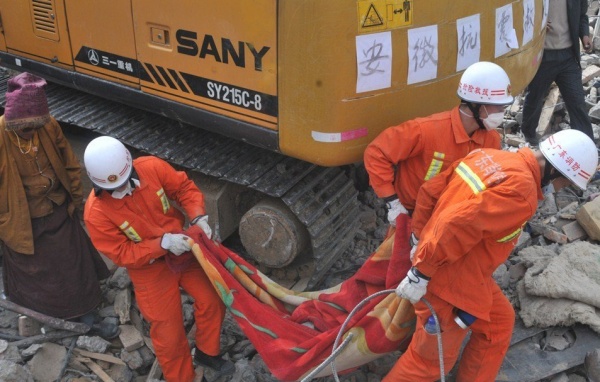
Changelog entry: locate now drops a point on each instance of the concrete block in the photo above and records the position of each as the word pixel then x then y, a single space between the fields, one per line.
pixel 574 231
pixel 130 338
pixel 588 217
pixel 28 326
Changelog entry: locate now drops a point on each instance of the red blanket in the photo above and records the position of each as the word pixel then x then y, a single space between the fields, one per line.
pixel 279 322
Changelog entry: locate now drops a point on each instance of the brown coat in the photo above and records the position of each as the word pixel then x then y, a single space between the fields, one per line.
pixel 15 221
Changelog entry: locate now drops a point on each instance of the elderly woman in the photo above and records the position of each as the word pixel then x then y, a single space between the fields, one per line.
pixel 49 263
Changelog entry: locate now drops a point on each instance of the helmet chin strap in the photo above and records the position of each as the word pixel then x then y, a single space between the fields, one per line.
pixel 475 110
pixel 549 175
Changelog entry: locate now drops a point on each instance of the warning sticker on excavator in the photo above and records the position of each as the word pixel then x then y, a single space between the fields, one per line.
pixel 378 15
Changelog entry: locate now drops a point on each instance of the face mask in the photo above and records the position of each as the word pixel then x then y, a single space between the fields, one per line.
pixel 493 120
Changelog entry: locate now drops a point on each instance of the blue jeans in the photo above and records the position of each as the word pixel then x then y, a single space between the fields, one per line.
pixel 566 72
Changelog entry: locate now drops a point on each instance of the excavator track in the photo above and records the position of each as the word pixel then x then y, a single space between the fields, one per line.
pixel 324 199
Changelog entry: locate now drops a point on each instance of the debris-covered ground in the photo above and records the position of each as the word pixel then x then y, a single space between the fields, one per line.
pixel 552 278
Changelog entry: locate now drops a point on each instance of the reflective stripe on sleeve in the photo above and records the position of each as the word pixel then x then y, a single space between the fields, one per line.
pixel 436 165
pixel 130 232
pixel 470 178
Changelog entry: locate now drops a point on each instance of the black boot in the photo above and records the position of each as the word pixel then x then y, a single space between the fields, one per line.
pixel 215 362
pixel 105 330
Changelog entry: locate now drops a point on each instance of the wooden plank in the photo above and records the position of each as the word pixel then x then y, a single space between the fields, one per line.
pixel 548 111
pixel 103 357
pixel 97 370
pixel 526 362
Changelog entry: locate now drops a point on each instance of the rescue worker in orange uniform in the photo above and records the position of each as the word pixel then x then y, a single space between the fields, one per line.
pixel 131 220
pixel 468 220
pixel 403 157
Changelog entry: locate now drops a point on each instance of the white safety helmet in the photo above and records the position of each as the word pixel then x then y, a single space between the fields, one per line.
pixel 485 83
pixel 107 162
pixel 573 154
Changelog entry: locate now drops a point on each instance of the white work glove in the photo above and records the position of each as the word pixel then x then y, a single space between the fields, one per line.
pixel 175 243
pixel 414 242
pixel 414 286
pixel 395 208
pixel 202 222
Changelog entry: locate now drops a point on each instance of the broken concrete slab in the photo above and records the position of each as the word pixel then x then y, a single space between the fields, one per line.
pixel 589 73
pixel 47 362
pixel 574 231
pixel 527 362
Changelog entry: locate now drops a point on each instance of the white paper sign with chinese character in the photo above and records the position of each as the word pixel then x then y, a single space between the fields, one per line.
pixel 374 61
pixel 422 54
pixel 468 31
pixel 506 36
pixel 528 20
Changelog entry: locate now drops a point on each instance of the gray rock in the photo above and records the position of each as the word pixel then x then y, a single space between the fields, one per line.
pixel 120 279
pixel 133 359
pixel 47 362
pixel 93 344
pixel 120 373
pixel 13 372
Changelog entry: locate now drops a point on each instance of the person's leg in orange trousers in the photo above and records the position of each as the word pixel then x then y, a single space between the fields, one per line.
pixel 482 358
pixel 421 361
pixel 158 296
pixel 209 309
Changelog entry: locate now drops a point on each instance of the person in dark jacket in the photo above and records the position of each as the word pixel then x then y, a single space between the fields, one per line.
pixel 567 24
pixel 49 263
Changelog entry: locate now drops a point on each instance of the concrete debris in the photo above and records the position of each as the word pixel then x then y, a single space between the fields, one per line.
pixel 47 362
pixel 13 372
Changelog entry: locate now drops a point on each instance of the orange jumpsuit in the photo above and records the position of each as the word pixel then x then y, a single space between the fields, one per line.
pixel 469 219
pixel 129 232
pixel 403 157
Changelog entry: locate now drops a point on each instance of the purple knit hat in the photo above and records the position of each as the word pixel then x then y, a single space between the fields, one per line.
pixel 26 103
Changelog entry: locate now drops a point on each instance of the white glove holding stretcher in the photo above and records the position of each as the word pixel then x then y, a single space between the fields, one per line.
pixel 395 208
pixel 202 222
pixel 176 243
pixel 414 286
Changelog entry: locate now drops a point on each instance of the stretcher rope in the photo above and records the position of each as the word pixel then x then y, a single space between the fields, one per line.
pixel 338 349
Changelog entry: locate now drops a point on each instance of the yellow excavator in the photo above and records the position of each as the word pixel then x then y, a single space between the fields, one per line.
pixel 269 104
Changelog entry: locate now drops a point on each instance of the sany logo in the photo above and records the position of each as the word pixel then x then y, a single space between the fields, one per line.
pixel 188 45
